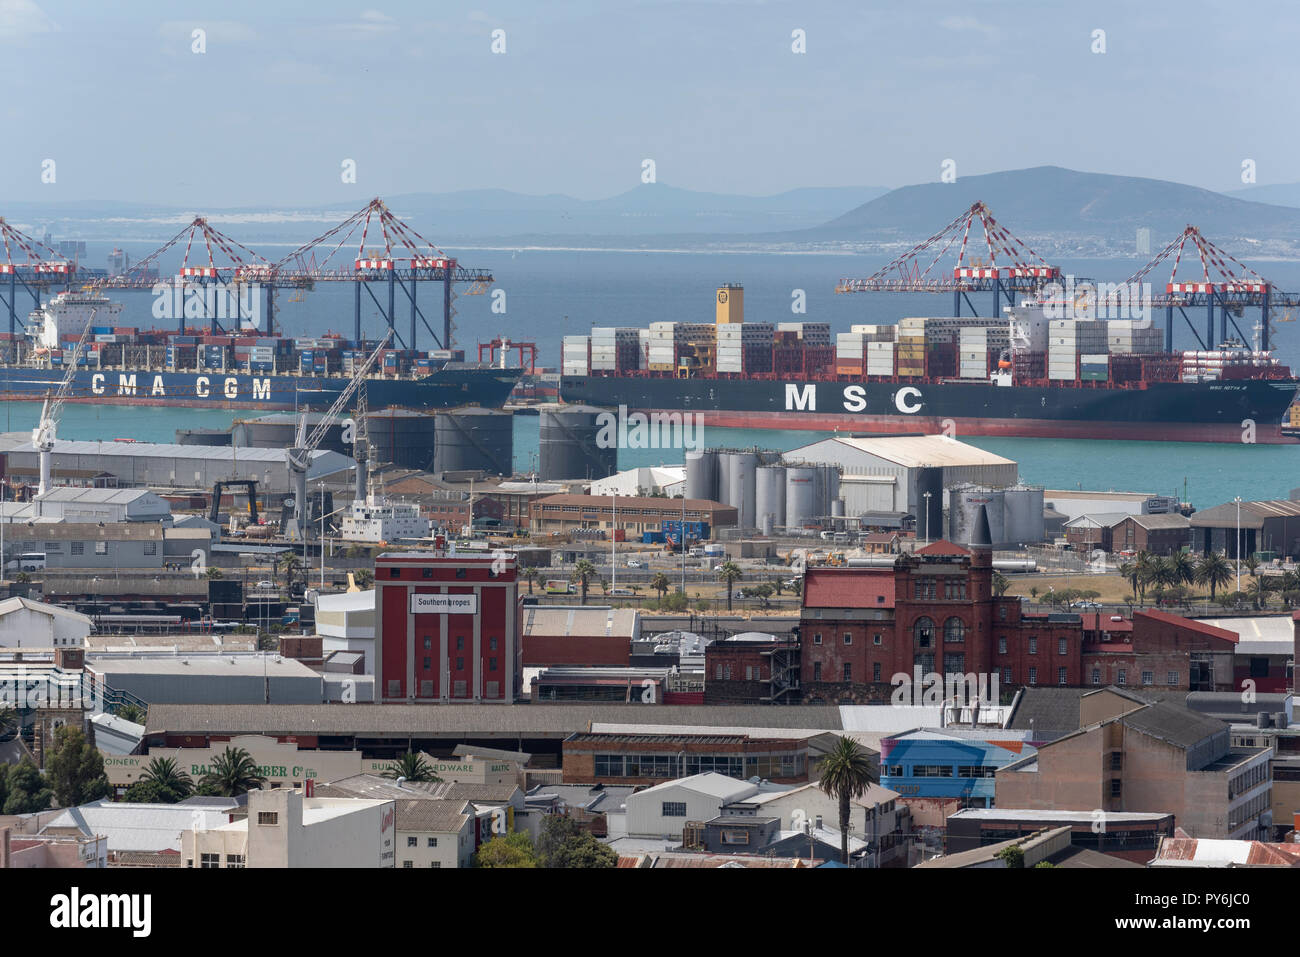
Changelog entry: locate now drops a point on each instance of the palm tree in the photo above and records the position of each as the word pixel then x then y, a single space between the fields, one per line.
pixel 165 776
pixel 233 773
pixel 213 572
pixel 1146 570
pixel 131 712
pixel 1251 563
pixel 364 578
pixel 1000 584
pixel 1257 591
pixel 730 573
pixel 660 584
pixel 289 563
pixel 583 573
pixel 1213 570
pixel 530 575
pixel 1129 571
pixel 846 775
pixel 1184 567
pixel 412 767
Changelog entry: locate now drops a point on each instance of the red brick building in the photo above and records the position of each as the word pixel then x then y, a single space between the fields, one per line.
pixel 752 667
pixel 448 628
pixel 936 610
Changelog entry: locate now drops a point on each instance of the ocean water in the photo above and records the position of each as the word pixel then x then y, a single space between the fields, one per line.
pixel 552 293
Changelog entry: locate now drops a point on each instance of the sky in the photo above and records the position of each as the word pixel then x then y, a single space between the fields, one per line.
pixel 285 94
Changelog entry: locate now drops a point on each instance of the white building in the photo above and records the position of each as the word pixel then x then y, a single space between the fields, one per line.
pixel 78 504
pixel 346 622
pixel 880 473
pixel 286 829
pixel 661 811
pixel 33 624
pixel 666 480
pixel 876 817
pixel 140 829
pixel 375 520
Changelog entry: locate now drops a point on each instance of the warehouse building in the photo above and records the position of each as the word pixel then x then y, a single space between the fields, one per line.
pixel 122 546
pixel 207 678
pixel 1272 526
pixel 71 504
pixel 892 473
pixel 164 466
pixel 631 515
pixel 1124 532
pixel 669 480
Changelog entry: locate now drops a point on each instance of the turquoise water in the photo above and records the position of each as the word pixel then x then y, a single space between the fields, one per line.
pixel 1212 474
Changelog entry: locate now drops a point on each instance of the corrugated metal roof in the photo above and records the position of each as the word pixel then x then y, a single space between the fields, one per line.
pixel 912 451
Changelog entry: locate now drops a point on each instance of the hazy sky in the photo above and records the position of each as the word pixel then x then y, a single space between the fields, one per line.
pixel 585 91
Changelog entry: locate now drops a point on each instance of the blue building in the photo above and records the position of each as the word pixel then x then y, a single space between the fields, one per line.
pixel 950 762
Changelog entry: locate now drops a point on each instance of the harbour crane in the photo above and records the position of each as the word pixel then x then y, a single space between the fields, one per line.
pixel 52 408
pixel 305 443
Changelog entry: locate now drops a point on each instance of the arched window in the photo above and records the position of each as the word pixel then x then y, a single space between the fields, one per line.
pixel 923 632
pixel 954 629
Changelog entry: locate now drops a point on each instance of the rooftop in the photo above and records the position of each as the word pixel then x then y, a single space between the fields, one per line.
pixel 208 665
pixel 914 451
pixel 848 588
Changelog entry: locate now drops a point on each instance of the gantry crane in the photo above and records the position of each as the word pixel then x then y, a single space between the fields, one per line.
pixel 299 456
pixel 51 409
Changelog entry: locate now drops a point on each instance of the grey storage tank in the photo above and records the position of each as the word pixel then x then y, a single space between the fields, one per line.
pixel 474 439
pixel 929 512
pixel 568 448
pixel 800 495
pixel 702 474
pixel 402 437
pixel 742 475
pixel 724 476
pixel 769 497
pixel 209 437
pixel 279 430
pixel 964 503
pixel 1025 524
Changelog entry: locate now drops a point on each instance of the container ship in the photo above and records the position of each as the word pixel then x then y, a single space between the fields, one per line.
pixel 121 365
pixel 1022 374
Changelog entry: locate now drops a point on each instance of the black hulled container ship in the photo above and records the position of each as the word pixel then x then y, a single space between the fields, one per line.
pixel 1023 374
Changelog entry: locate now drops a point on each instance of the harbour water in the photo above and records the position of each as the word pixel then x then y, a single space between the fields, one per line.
pixel 1209 474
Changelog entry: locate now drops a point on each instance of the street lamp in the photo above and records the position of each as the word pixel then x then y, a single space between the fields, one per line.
pixel 1238 549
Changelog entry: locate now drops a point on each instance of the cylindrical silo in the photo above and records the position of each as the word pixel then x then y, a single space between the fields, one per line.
pixel 724 476
pixel 702 474
pixel 742 475
pixel 928 512
pixel 209 437
pixel 769 497
pixel 570 441
pixel 1024 515
pixel 474 439
pixel 401 437
pixel 800 496
pixel 964 503
pixel 279 430
pixel 837 507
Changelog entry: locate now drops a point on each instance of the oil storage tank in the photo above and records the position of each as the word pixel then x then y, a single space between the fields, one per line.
pixel 401 437
pixel 929 511
pixel 964 503
pixel 1025 524
pixel 800 495
pixel 769 497
pixel 568 447
pixel 474 439
pixel 724 476
pixel 742 476
pixel 702 474
pixel 279 430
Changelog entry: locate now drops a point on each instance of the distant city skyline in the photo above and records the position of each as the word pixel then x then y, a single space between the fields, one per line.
pixel 714 93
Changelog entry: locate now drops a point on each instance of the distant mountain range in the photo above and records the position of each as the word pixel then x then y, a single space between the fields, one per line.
pixel 1065 204
pixel 1060 210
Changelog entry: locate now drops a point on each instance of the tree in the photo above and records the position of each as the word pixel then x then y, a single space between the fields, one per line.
pixel 1184 567
pixel 583 572
pixel 233 773
pixel 1000 584
pixel 411 766
pixel 1014 856
pixel 289 563
pixel 162 782
pixel 1251 563
pixel 563 844
pixel 364 578
pixel 845 775
pixel 660 584
pixel 131 712
pixel 798 588
pixel 1146 565
pixel 763 592
pixel 507 850
pixel 1257 590
pixel 730 573
pixel 1213 570
pixel 529 575
pixel 1129 572
pixel 75 769
pixel 22 578
pixel 214 572
pixel 26 791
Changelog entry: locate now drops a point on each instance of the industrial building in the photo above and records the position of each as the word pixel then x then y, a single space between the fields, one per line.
pixel 1248 528
pixel 579 635
pixel 668 480
pixel 206 678
pixel 1015 515
pixel 633 516
pixel 165 466
pixel 1126 532
pixel 33 624
pixel 110 547
pixel 76 504
pixel 1074 503
pixel 448 627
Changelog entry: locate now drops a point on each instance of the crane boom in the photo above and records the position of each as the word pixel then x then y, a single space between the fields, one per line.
pixel 52 408
pixel 318 434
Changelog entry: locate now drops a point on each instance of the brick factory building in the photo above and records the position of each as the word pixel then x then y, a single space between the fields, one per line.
pixel 579 635
pixel 448 628
pixel 594 758
pixel 935 610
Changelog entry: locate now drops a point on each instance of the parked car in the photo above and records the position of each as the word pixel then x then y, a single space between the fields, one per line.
pixel 1086 605
pixel 633 563
pixel 265 584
